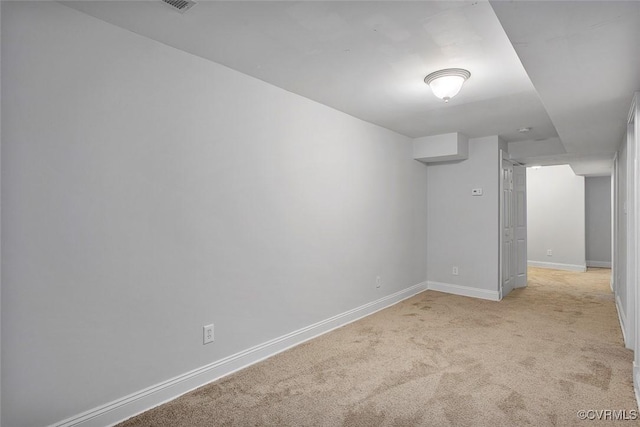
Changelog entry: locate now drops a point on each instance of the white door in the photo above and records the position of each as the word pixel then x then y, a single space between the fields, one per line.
pixel 507 225
pixel 520 226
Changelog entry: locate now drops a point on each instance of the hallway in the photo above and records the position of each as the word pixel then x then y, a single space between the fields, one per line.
pixel 538 357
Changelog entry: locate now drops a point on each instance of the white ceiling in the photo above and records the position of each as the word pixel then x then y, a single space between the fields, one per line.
pixel 583 57
pixel 369 58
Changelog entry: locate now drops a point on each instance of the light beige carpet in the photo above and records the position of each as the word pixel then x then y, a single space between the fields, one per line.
pixel 535 358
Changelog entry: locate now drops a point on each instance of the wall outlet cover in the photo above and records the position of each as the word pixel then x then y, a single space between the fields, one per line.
pixel 207 334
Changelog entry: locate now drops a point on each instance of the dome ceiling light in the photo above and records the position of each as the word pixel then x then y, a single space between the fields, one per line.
pixel 446 83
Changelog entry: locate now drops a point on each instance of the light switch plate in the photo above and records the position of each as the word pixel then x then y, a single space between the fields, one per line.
pixel 476 192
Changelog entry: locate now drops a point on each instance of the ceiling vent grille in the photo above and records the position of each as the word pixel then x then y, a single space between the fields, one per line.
pixel 180 5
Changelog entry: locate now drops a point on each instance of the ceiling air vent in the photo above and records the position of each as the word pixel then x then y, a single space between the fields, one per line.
pixel 180 5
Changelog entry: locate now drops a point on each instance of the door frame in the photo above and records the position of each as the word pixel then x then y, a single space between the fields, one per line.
pixel 505 157
pixel 633 219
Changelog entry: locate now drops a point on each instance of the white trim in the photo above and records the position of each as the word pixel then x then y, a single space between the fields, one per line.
pixel 150 397
pixel 614 223
pixel 622 318
pixel 632 229
pixel 634 117
pixel 636 383
pixel 501 226
pixel 464 291
pixel 557 266
pixel 599 264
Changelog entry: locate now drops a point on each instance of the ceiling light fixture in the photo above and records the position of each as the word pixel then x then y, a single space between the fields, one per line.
pixel 446 84
pixel 524 130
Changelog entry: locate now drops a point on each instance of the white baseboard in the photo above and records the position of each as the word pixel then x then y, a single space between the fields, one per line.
pixel 622 318
pixel 636 383
pixel 557 266
pixel 464 291
pixel 599 264
pixel 143 400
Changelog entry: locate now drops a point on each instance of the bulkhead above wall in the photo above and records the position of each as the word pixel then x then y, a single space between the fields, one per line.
pixel 441 148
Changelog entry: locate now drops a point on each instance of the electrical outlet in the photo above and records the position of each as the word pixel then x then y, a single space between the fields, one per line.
pixel 207 334
pixel 455 270
pixel 378 281
pixel 549 252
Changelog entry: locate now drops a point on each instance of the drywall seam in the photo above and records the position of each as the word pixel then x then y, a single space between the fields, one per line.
pixel 135 403
pixel 557 266
pixel 464 291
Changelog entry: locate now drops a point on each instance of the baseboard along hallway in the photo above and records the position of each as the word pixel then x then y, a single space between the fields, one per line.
pixel 538 357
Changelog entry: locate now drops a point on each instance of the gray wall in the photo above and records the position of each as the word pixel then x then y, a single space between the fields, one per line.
pixel 463 230
pixel 597 197
pixel 556 218
pixel 147 192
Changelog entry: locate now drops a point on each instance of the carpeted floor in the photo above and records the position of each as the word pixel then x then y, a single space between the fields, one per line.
pixel 536 358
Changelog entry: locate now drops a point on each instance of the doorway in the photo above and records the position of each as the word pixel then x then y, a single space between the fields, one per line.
pixel 513 225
